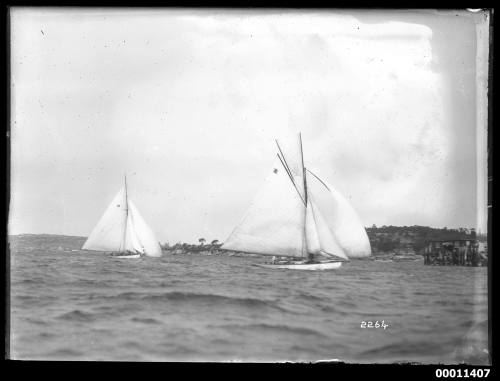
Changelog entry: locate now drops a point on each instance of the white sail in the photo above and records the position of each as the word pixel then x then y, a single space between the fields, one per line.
pixel 274 222
pixel 328 242
pixel 131 243
pixel 146 237
pixel 340 217
pixel 108 233
pixel 122 230
pixel 278 222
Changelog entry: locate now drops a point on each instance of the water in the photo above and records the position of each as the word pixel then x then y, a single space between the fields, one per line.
pixel 68 304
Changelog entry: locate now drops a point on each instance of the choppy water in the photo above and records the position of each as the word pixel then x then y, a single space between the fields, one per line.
pixel 77 305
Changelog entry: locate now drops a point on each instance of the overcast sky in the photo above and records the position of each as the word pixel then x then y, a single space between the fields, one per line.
pixel 187 103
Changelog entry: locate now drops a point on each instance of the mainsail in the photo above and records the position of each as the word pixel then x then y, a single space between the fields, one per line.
pixel 122 229
pixel 285 220
pixel 274 222
pixel 108 233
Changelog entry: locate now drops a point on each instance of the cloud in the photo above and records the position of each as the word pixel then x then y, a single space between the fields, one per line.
pixel 189 104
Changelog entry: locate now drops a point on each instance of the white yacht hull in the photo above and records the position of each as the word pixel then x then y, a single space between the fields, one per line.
pixel 125 256
pixel 303 266
pixel 133 256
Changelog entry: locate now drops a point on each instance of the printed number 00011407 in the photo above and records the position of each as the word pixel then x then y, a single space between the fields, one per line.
pixel 462 373
pixel 376 324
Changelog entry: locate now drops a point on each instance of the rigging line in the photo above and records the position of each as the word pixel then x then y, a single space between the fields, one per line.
pixel 287 167
pixel 291 179
pixel 321 181
pixel 305 203
pixel 303 168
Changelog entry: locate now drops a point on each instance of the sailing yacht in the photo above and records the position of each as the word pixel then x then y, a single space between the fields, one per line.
pixel 299 219
pixel 122 231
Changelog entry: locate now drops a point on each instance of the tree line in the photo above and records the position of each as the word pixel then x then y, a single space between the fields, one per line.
pixel 214 244
pixel 385 238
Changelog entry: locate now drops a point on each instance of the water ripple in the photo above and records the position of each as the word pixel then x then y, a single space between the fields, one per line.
pixel 87 306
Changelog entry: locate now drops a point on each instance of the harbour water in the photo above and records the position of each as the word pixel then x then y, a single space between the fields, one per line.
pixel 68 304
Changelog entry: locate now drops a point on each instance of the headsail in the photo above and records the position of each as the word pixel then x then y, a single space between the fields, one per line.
pixel 328 242
pixel 274 222
pixel 132 243
pixel 312 237
pixel 148 241
pixel 340 217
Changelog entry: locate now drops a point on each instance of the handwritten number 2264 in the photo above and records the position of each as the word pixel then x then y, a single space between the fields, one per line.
pixel 376 324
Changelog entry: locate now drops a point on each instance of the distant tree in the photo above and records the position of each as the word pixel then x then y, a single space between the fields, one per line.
pixel 388 245
pixel 374 226
pixel 215 242
pixel 202 241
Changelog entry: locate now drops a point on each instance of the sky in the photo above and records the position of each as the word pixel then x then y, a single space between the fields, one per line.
pixel 187 103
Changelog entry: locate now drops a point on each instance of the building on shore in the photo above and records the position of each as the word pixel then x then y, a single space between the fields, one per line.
pixel 461 252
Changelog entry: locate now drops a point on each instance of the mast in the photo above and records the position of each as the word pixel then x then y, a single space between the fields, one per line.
pixel 122 248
